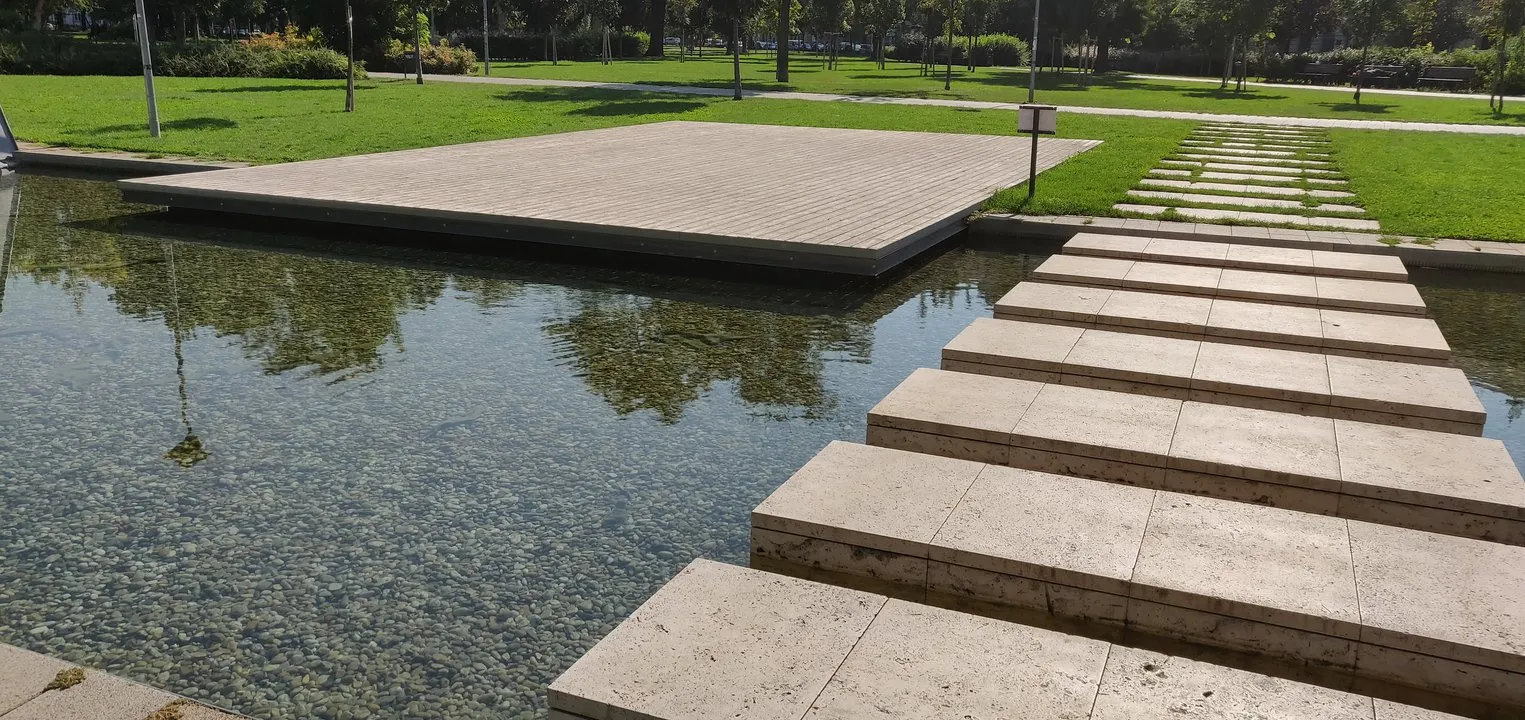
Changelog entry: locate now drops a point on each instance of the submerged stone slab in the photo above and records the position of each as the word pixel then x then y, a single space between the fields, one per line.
pixel 1248 257
pixel 1378 335
pixel 1208 280
pixel 1459 484
pixel 1266 580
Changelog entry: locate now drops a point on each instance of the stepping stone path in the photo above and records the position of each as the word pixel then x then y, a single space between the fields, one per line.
pixel 1168 478
pixel 1280 176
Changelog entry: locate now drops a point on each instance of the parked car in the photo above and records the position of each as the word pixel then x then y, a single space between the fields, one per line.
pixel 671 41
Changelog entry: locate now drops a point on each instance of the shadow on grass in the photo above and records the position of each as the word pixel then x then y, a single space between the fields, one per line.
pixel 1364 108
pixel 630 109
pixel 196 123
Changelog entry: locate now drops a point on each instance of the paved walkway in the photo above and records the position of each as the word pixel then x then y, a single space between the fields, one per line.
pixel 978 105
pixel 1334 88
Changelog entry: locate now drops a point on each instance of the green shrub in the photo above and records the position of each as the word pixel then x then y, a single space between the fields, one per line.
pixel 43 54
pixel 441 59
pixel 582 45
pixel 989 50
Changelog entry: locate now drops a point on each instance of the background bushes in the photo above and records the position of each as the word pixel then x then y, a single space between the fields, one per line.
pixel 441 59
pixel 586 45
pixel 989 50
pixel 42 54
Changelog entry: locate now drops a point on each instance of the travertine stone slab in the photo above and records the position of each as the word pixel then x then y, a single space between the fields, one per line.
pixel 1106 245
pixel 922 661
pixel 711 643
pixel 1404 389
pixel 1047 527
pixel 98 697
pixel 1280 287
pixel 1278 259
pixel 24 674
pixel 1389 710
pixel 1144 685
pixel 1381 335
pixel 1033 345
pixel 908 499
pixel 1291 375
pixel 1282 568
pixel 1285 459
pixel 1358 265
pixel 1183 251
pixel 1223 573
pixel 1131 356
pixel 1220 215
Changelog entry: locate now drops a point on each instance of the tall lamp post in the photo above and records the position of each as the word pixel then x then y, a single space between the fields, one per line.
pixel 418 46
pixel 349 83
pixel 145 48
pixel 1032 58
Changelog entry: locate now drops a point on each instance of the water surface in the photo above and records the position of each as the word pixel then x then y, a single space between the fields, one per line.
pixel 415 484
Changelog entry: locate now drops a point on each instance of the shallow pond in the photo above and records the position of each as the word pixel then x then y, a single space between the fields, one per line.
pixel 420 484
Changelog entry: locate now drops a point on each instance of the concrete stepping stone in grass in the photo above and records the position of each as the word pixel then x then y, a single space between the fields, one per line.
pixel 1257 160
pixel 725 641
pixel 1245 216
pixel 1299 260
pixel 1221 137
pixel 1265 169
pixel 1403 338
pixel 1412 395
pixel 1170 172
pixel 1245 145
pixel 1381 603
pixel 1214 175
pixel 1252 153
pixel 1241 201
pixel 1379 296
pixel 1436 482
pixel 1245 189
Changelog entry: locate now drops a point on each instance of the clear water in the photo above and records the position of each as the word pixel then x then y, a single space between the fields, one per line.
pixel 421 484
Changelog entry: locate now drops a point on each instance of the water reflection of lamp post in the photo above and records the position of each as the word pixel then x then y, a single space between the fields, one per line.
pixel 189 451
pixel 10 192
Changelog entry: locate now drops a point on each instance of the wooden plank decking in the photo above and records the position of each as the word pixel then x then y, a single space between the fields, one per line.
pixel 857 201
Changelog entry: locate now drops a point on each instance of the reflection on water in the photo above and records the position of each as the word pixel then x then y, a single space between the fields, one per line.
pixel 419 484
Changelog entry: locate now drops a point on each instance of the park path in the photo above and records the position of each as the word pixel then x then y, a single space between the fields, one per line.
pixel 978 105
pixel 1332 88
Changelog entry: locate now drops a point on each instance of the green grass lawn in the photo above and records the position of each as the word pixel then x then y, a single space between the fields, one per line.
pixel 861 77
pixel 1437 184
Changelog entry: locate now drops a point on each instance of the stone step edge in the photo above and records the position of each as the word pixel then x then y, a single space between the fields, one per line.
pixel 1225 216
pixel 693 650
pixel 1065 372
pixel 1443 253
pixel 56 688
pixel 1423 510
pixel 1396 272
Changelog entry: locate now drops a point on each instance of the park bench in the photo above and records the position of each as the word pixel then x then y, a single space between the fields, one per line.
pixel 1383 75
pixel 1457 77
pixel 1321 73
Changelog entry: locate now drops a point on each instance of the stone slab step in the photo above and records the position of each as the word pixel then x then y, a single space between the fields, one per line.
pixel 1337 332
pixel 1248 167
pixel 38 687
pixel 1214 175
pixel 1433 481
pixel 1230 142
pixel 1425 397
pixel 1380 602
pixel 1237 255
pixel 1221 156
pixel 719 641
pixel 1197 185
pixel 1377 296
pixel 1241 201
pixel 1247 216
pixel 1254 139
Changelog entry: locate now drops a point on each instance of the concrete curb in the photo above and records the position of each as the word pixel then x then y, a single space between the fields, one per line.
pixel 31 155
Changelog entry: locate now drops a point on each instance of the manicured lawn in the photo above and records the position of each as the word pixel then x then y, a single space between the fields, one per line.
pixel 1438 184
pixel 861 77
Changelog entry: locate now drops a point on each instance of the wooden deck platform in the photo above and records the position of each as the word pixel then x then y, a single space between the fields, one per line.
pixel 853 201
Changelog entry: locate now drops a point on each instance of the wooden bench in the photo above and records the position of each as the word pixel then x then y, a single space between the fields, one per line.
pixel 1457 77
pixel 1322 73
pixel 1383 75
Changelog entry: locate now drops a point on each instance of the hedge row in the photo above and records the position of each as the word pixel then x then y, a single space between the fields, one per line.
pixel 989 50
pixel 42 54
pixel 583 45
pixel 442 59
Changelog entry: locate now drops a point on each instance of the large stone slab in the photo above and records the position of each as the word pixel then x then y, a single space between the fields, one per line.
pixel 687 654
pixel 1387 603
pixel 24 675
pixel 1363 334
pixel 1413 395
pixel 1222 215
pixel 1422 479
pixel 1234 255
pixel 1220 279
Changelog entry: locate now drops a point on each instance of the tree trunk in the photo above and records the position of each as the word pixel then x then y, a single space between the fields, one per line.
pixel 781 71
pixel 736 56
pixel 180 30
pixel 554 61
pixel 1361 71
pixel 1228 64
pixel 1498 77
pixel 38 8
pixel 1103 59
pixel 656 27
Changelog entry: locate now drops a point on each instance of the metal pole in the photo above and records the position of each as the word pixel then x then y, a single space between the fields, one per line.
pixel 1032 168
pixel 486 57
pixel 736 55
pixel 1032 61
pixel 349 82
pixel 948 76
pixel 418 50
pixel 148 70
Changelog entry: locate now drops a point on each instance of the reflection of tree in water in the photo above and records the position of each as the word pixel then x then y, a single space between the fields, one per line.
pixel 1486 329
pixel 660 355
